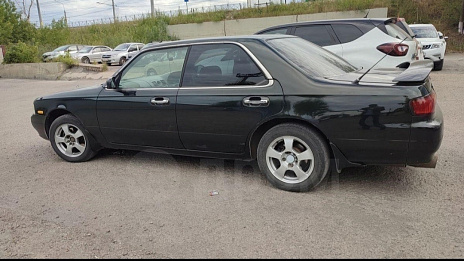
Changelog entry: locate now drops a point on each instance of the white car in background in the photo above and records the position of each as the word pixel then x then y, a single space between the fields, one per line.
pixel 363 42
pixel 90 54
pixel 121 53
pixel 433 43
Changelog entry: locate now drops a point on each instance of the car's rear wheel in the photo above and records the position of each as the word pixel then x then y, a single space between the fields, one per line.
pixel 122 60
pixel 86 60
pixel 293 157
pixel 70 140
pixel 438 66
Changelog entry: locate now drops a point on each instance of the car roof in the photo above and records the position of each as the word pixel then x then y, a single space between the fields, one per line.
pixel 421 25
pixel 238 38
pixel 369 21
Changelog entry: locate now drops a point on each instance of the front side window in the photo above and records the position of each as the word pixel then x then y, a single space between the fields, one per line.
pixel 154 69
pixel 86 50
pixel 133 48
pixel 317 34
pixel 215 65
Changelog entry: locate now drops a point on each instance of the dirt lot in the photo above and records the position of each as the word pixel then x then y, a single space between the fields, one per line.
pixel 139 205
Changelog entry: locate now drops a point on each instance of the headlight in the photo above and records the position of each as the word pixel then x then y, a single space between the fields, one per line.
pixel 434 46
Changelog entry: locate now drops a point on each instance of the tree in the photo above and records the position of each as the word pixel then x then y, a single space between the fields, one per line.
pixel 9 18
pixel 26 8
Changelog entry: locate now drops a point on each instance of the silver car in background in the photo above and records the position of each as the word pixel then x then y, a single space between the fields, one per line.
pixel 61 51
pixel 91 54
pixel 433 43
pixel 121 53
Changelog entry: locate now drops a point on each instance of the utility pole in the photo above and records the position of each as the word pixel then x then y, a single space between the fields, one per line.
pixel 152 8
pixel 114 12
pixel 40 14
pixel 461 20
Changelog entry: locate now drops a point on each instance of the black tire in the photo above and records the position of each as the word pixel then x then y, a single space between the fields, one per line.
pixel 438 66
pixel 302 137
pixel 109 64
pixel 122 60
pixel 86 60
pixel 151 72
pixel 73 137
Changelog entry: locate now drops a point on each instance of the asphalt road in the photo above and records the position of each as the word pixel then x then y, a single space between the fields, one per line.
pixel 126 204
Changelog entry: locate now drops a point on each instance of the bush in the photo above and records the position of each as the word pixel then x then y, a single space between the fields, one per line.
pixel 21 53
pixel 66 59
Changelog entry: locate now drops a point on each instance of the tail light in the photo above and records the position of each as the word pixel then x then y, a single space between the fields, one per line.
pixel 424 105
pixel 394 49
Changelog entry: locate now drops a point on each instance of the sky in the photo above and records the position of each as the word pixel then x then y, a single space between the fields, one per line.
pixel 88 10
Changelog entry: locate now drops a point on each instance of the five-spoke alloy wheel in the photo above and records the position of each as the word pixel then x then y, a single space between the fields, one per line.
pixel 69 139
pixel 293 157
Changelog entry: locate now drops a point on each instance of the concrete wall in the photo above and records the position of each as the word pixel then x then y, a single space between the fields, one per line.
pixel 253 25
pixel 43 71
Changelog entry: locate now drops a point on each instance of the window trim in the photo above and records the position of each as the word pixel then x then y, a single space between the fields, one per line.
pixel 266 73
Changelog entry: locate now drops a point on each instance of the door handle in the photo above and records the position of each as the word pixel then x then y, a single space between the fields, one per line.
pixel 256 101
pixel 159 101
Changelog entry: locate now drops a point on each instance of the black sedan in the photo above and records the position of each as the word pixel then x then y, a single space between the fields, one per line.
pixel 296 108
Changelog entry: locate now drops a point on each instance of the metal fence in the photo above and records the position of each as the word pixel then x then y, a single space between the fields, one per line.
pixel 180 11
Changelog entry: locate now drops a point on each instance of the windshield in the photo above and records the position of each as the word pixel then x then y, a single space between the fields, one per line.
pixel 425 32
pixel 312 59
pixel 86 50
pixel 61 48
pixel 122 47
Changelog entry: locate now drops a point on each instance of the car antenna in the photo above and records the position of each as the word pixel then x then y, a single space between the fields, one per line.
pixel 360 77
pixel 367 13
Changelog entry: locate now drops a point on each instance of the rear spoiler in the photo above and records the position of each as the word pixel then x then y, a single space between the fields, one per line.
pixel 418 71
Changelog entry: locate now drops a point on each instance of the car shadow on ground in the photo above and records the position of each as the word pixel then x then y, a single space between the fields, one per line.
pixel 381 179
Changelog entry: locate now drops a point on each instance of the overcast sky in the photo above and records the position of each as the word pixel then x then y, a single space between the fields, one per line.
pixel 82 10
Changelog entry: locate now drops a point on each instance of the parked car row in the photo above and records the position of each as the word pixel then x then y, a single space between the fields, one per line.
pixel 96 54
pixel 298 109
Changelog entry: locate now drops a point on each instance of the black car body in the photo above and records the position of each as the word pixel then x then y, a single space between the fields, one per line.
pixel 252 97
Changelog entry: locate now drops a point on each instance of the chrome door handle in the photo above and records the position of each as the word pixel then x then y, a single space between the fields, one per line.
pixel 256 101
pixel 159 101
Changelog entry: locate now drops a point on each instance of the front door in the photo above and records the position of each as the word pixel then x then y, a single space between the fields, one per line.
pixel 141 111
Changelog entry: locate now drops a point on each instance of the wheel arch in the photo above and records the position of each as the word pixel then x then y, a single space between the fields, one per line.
pixel 52 116
pixel 263 128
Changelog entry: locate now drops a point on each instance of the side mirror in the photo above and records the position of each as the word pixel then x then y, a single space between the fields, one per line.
pixel 110 83
pixel 440 35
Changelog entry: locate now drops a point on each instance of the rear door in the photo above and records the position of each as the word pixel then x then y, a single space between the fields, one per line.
pixel 225 94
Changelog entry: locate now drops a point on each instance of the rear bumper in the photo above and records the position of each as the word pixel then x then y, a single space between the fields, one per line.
pixel 426 137
pixel 38 122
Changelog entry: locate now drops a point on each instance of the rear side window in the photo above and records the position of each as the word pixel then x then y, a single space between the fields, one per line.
pixel 317 34
pixel 346 32
pixel 277 31
pixel 394 31
pixel 214 65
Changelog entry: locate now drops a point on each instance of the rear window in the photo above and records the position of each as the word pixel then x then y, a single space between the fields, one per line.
pixel 394 31
pixel 317 34
pixel 347 32
pixel 276 31
pixel 310 58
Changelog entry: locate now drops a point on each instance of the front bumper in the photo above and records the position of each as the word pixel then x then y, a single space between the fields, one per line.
pixel 433 54
pixel 426 137
pixel 38 122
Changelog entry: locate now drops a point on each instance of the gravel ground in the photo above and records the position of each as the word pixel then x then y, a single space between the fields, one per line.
pixel 125 204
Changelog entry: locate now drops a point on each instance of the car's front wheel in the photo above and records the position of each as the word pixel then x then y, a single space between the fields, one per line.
pixel 86 60
pixel 70 140
pixel 438 66
pixel 293 157
pixel 122 60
